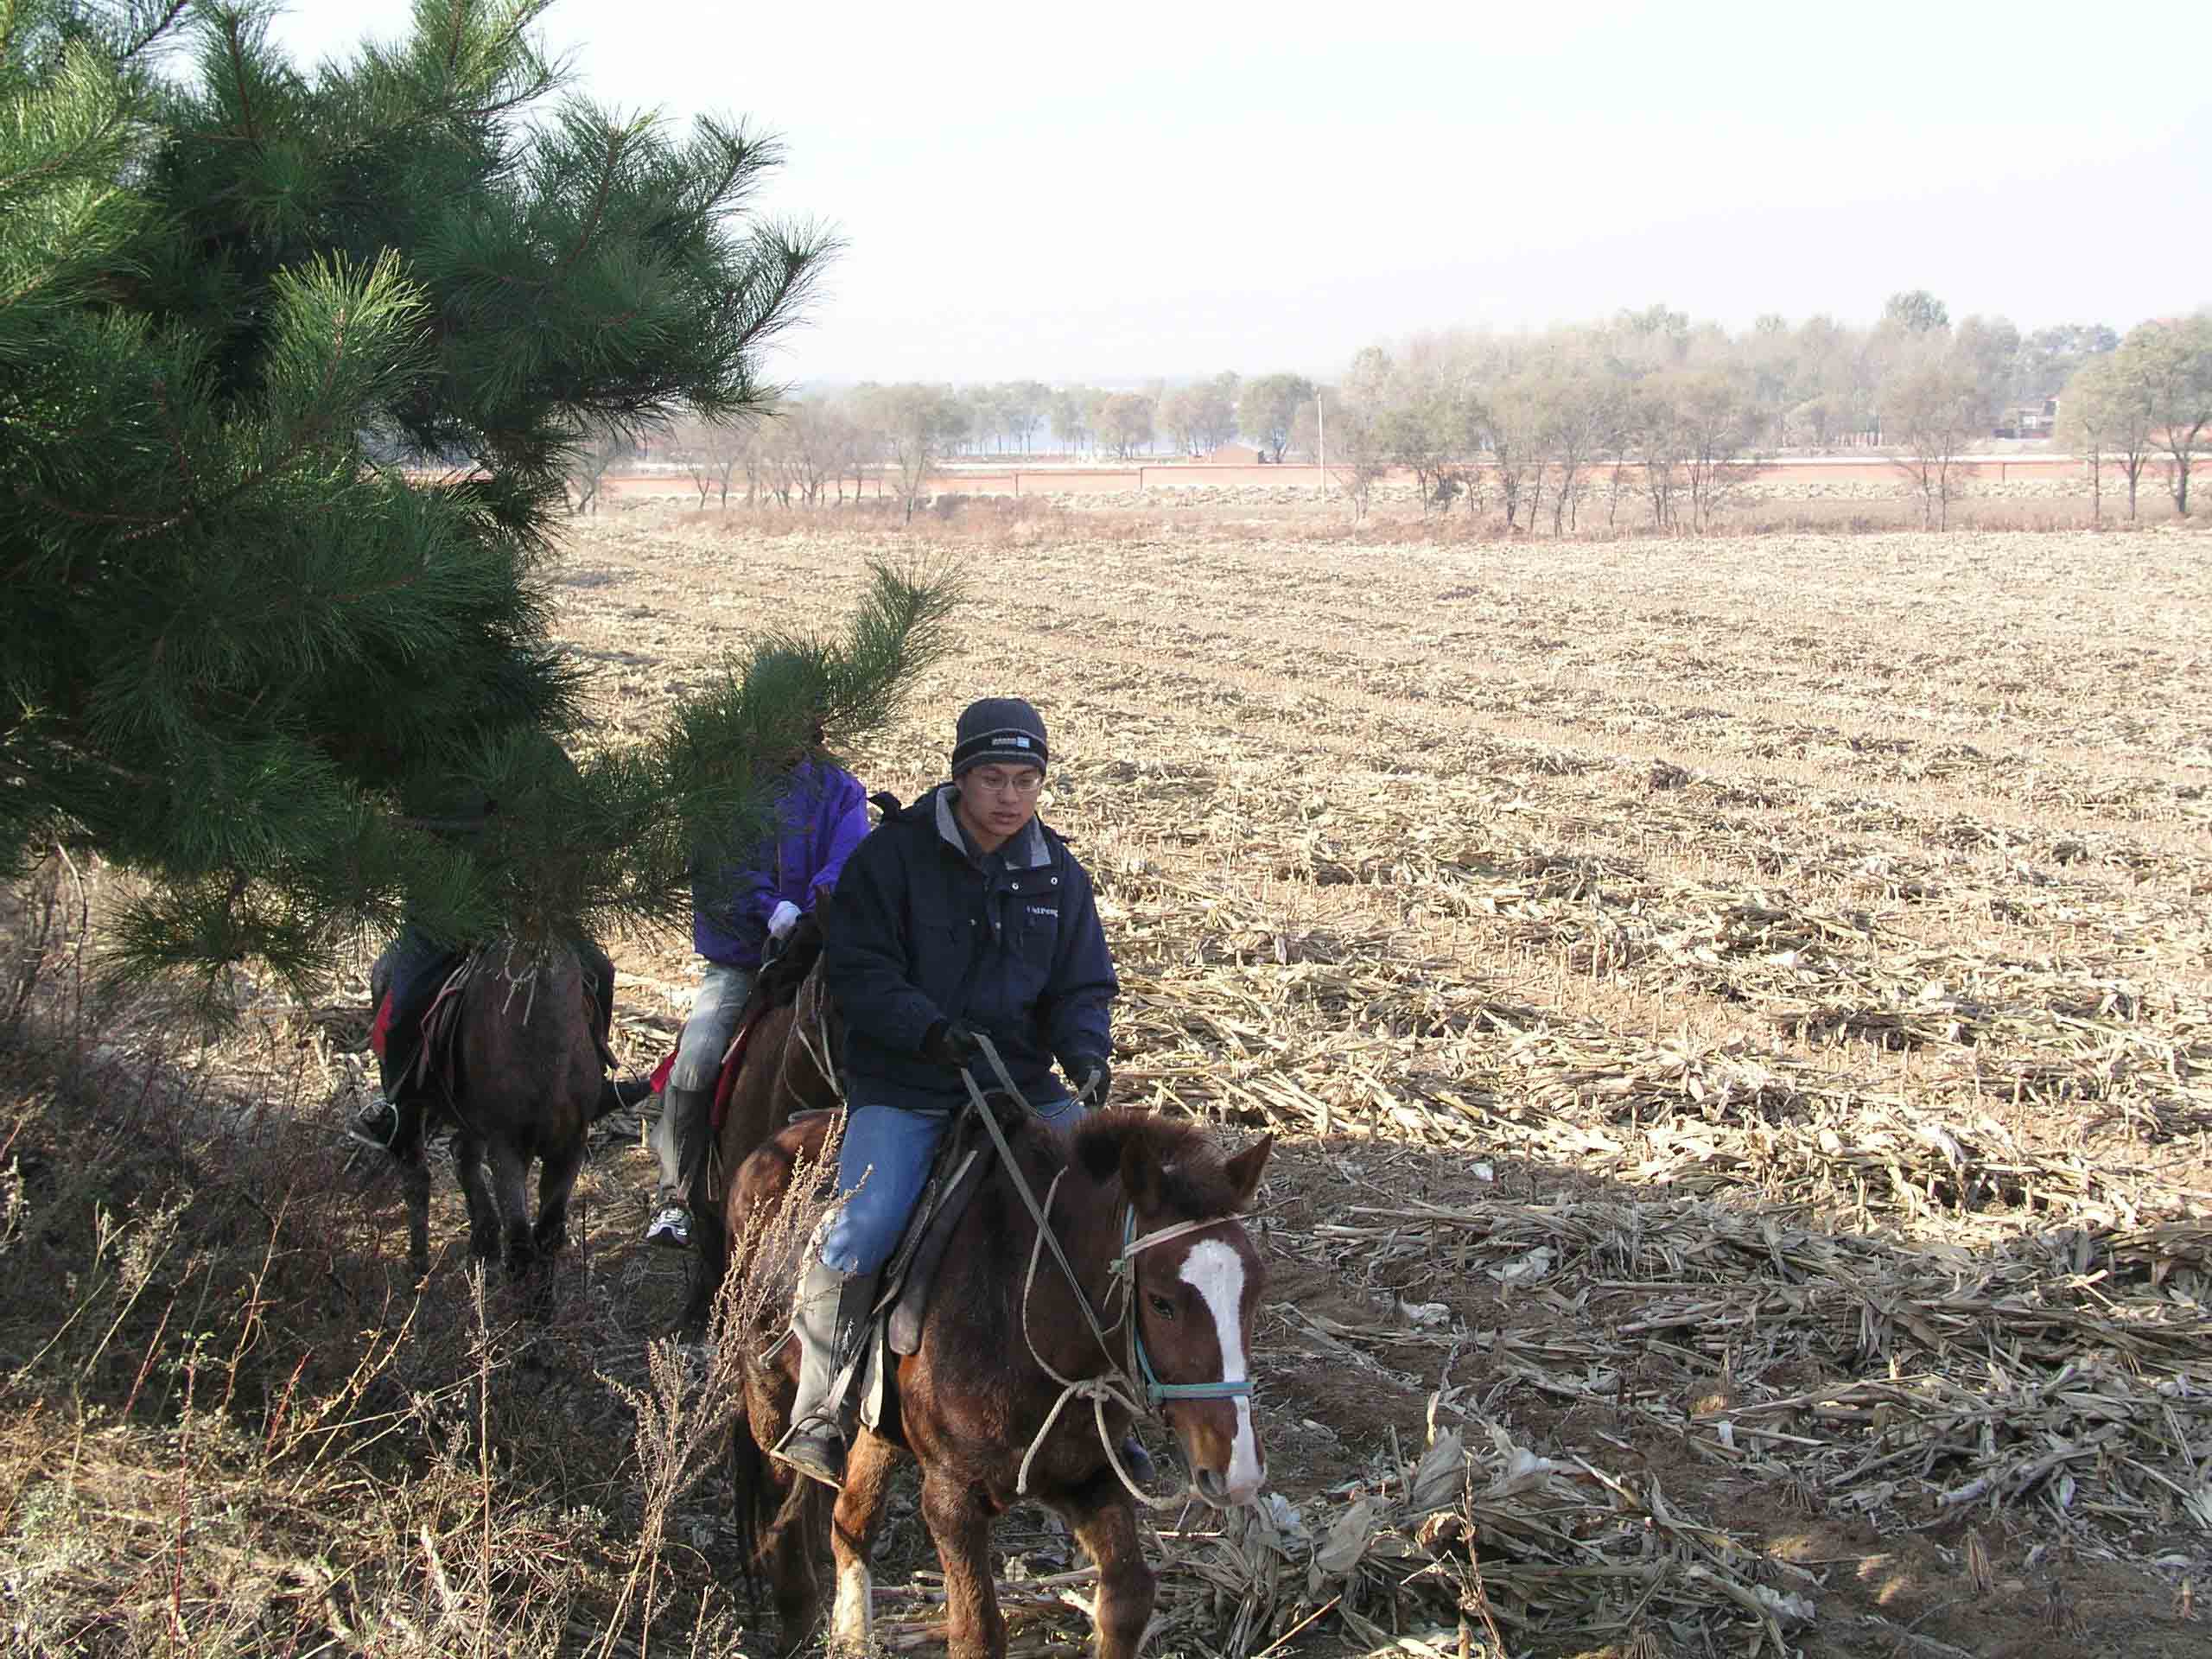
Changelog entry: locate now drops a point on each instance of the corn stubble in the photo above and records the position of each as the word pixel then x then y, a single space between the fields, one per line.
pixel 1739 1009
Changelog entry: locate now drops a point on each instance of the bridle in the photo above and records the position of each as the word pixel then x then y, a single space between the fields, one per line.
pixel 1119 1387
pixel 1123 1268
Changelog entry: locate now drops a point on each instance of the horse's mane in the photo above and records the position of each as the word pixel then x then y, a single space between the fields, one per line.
pixel 1193 1180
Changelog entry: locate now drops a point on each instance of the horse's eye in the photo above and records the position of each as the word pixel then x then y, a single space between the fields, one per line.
pixel 1162 1307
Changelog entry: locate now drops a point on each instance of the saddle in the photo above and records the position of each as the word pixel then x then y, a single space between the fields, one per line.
pixel 436 1067
pixel 398 1035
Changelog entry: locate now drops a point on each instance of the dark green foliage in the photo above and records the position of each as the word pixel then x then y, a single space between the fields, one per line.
pixel 245 648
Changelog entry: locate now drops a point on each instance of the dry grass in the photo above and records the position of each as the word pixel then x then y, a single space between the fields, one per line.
pixel 1738 1015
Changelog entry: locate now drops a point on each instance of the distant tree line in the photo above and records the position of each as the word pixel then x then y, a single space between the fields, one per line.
pixel 1647 414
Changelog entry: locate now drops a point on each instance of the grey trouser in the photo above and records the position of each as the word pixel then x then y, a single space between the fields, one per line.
pixel 722 996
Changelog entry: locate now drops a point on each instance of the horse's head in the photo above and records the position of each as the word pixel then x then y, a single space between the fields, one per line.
pixel 1194 1285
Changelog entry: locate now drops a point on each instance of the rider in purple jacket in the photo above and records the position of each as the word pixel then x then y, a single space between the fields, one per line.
pixel 736 915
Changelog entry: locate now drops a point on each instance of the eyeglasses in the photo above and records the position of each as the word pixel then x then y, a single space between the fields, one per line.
pixel 1025 781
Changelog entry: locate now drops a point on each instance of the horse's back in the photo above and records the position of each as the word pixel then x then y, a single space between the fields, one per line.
pixel 765 1179
pixel 529 1056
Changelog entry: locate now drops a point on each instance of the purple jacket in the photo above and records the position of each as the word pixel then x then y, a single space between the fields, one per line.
pixel 821 818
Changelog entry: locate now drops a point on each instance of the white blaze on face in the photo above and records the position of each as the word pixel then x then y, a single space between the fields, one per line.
pixel 1217 1272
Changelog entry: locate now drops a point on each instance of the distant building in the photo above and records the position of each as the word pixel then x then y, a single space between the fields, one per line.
pixel 1234 454
pixel 2028 420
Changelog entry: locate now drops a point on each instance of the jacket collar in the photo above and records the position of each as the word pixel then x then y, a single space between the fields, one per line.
pixel 1027 851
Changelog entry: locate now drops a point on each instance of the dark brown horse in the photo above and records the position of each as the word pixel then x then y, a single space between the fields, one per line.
pixel 522 1082
pixel 788 1067
pixel 1145 1209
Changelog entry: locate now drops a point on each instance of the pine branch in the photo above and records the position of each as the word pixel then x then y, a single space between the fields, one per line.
pixel 153 31
pixel 616 140
pixel 234 33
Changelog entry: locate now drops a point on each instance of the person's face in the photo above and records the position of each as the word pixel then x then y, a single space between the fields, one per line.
pixel 997 801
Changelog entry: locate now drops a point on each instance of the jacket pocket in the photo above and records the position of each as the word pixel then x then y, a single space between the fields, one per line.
pixel 943 952
pixel 1032 940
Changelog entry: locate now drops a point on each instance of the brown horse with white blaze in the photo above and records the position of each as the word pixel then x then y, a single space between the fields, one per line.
pixel 1023 1382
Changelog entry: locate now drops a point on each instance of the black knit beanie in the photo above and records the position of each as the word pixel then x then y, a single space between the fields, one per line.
pixel 1003 730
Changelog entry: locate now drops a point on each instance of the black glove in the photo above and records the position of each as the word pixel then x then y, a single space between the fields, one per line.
pixel 1093 1077
pixel 950 1043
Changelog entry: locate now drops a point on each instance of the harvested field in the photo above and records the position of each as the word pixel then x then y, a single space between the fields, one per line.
pixel 1737 1015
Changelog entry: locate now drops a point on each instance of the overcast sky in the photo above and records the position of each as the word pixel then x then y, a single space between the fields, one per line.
pixel 1113 192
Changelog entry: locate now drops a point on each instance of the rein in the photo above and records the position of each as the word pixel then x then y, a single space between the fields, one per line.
pixel 1118 1387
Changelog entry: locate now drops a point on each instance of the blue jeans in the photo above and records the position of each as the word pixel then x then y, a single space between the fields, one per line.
pixel 882 1168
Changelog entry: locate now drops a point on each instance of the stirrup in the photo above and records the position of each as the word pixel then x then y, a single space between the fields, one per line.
pixel 816 1450
pixel 364 1125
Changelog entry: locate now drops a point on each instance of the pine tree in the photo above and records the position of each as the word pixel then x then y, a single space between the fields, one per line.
pixel 245 649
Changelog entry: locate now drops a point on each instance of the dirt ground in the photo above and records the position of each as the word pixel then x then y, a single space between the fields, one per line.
pixel 1734 1014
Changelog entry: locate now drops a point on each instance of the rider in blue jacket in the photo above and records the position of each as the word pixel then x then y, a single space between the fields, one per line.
pixel 962 914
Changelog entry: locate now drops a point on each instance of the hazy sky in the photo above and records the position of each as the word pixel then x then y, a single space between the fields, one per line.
pixel 1092 192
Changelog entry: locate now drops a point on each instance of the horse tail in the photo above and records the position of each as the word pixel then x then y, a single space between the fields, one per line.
pixel 777 1516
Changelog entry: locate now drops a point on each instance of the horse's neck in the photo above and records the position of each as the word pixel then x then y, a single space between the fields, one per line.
pixel 1086 1219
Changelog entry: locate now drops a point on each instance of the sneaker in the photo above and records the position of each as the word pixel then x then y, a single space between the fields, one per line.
pixel 672 1227
pixel 375 1124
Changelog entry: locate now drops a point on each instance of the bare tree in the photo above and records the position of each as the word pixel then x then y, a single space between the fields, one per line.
pixel 2170 365
pixel 1181 416
pixel 1714 414
pixel 2101 417
pixel 1514 425
pixel 1934 412
pixel 590 465
pixel 1215 408
pixel 1581 414
pixel 1023 405
pixel 712 451
pixel 1357 458
pixel 1661 446
pixel 1125 422
pixel 919 423
pixel 1266 407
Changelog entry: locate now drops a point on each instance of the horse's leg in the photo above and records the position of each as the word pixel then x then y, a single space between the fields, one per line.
pixel 511 1196
pixel 852 1526
pixel 1105 1524
pixel 794 1561
pixel 415 1182
pixel 483 1214
pixel 961 1527
pixel 556 1179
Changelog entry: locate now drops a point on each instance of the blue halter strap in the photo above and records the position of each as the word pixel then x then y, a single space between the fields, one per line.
pixel 1155 1390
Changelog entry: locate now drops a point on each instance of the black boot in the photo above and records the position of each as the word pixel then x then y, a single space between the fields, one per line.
pixel 621 1094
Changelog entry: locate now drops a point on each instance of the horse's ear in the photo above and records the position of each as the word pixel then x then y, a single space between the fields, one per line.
pixel 1244 1170
pixel 1142 1175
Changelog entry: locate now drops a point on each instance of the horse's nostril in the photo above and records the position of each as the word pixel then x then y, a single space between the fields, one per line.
pixel 1210 1483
